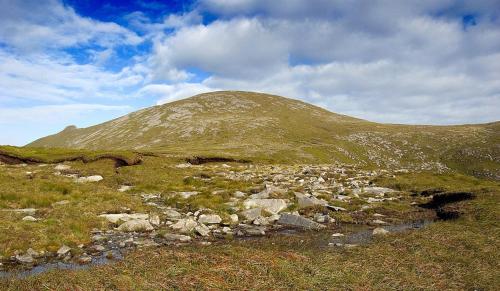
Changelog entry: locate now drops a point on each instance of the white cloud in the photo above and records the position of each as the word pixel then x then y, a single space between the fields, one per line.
pixel 54 113
pixel 45 79
pixel 34 25
pixel 168 93
pixel 388 61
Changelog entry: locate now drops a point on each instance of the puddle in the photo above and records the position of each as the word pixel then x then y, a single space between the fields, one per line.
pixel 363 234
pixel 96 261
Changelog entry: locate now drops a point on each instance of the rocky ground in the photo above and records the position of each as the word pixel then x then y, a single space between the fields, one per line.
pixel 273 198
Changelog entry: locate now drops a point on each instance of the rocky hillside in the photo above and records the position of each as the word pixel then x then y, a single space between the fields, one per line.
pixel 267 127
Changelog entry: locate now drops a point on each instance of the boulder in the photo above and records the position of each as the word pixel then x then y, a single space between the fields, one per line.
pixel 304 201
pixel 29 218
pixel 64 250
pixel 62 167
pixel 25 259
pixel 184 225
pixel 137 225
pixel 117 217
pixel 124 188
pixel 251 214
pixel 299 221
pixel 380 231
pixel 95 178
pixel 273 206
pixel 233 218
pixel 209 219
pixel 269 189
pixel 176 237
pixel 172 214
pixel 255 230
pixel 202 230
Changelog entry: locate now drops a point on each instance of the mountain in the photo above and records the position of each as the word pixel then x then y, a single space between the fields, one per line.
pixel 267 127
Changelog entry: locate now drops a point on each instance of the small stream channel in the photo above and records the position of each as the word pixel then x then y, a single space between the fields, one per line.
pixel 354 234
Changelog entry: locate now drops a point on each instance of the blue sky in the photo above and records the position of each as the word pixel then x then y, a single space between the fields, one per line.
pixel 85 62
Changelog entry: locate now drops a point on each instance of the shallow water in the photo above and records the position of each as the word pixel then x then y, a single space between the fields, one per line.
pixel 44 267
pixel 354 234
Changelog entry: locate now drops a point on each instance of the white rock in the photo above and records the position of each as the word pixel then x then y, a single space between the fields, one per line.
pixel 62 167
pixel 95 178
pixel 172 214
pixel 63 250
pixel 209 219
pixel 251 214
pixel 338 234
pixel 380 231
pixel 378 221
pixel 202 229
pixel 183 166
pixel 29 218
pixel 184 225
pixel 233 218
pixel 239 194
pixel 177 237
pixel 137 225
pixel 155 220
pixel 273 206
pixel 115 218
pixel 124 188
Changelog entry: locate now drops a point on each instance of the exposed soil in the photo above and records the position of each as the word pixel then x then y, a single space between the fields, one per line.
pixel 447 204
pixel 204 160
pixel 119 161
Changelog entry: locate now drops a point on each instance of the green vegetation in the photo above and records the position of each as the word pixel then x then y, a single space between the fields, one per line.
pixel 447 255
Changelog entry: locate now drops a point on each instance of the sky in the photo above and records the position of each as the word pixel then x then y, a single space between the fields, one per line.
pixel 85 62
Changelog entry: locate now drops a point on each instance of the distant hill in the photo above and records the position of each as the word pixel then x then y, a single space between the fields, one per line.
pixel 268 127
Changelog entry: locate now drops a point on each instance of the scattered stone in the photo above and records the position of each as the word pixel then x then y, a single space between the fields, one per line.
pixel 95 178
pixel 64 250
pixel 234 218
pixel 84 259
pixel 137 225
pixel 209 219
pixel 378 221
pixel 202 230
pixel 183 166
pixel 117 217
pixel 380 231
pixel 124 188
pixel 29 218
pixel 270 189
pixel 25 259
pixel 154 220
pixel 171 214
pixel 378 215
pixel 299 221
pixel 338 234
pixel 273 206
pixel 335 208
pixel 185 225
pixel 176 237
pixel 25 211
pixel 32 253
pixel 227 230
pixel 255 231
pixel 239 194
pixel 251 214
pixel 186 195
pixel 62 167
pixel 304 201
pixel 98 248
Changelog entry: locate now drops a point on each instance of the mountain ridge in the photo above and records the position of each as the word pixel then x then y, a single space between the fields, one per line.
pixel 260 126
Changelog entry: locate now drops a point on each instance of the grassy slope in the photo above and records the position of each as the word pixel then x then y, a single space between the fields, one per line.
pixel 452 255
pixel 272 128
